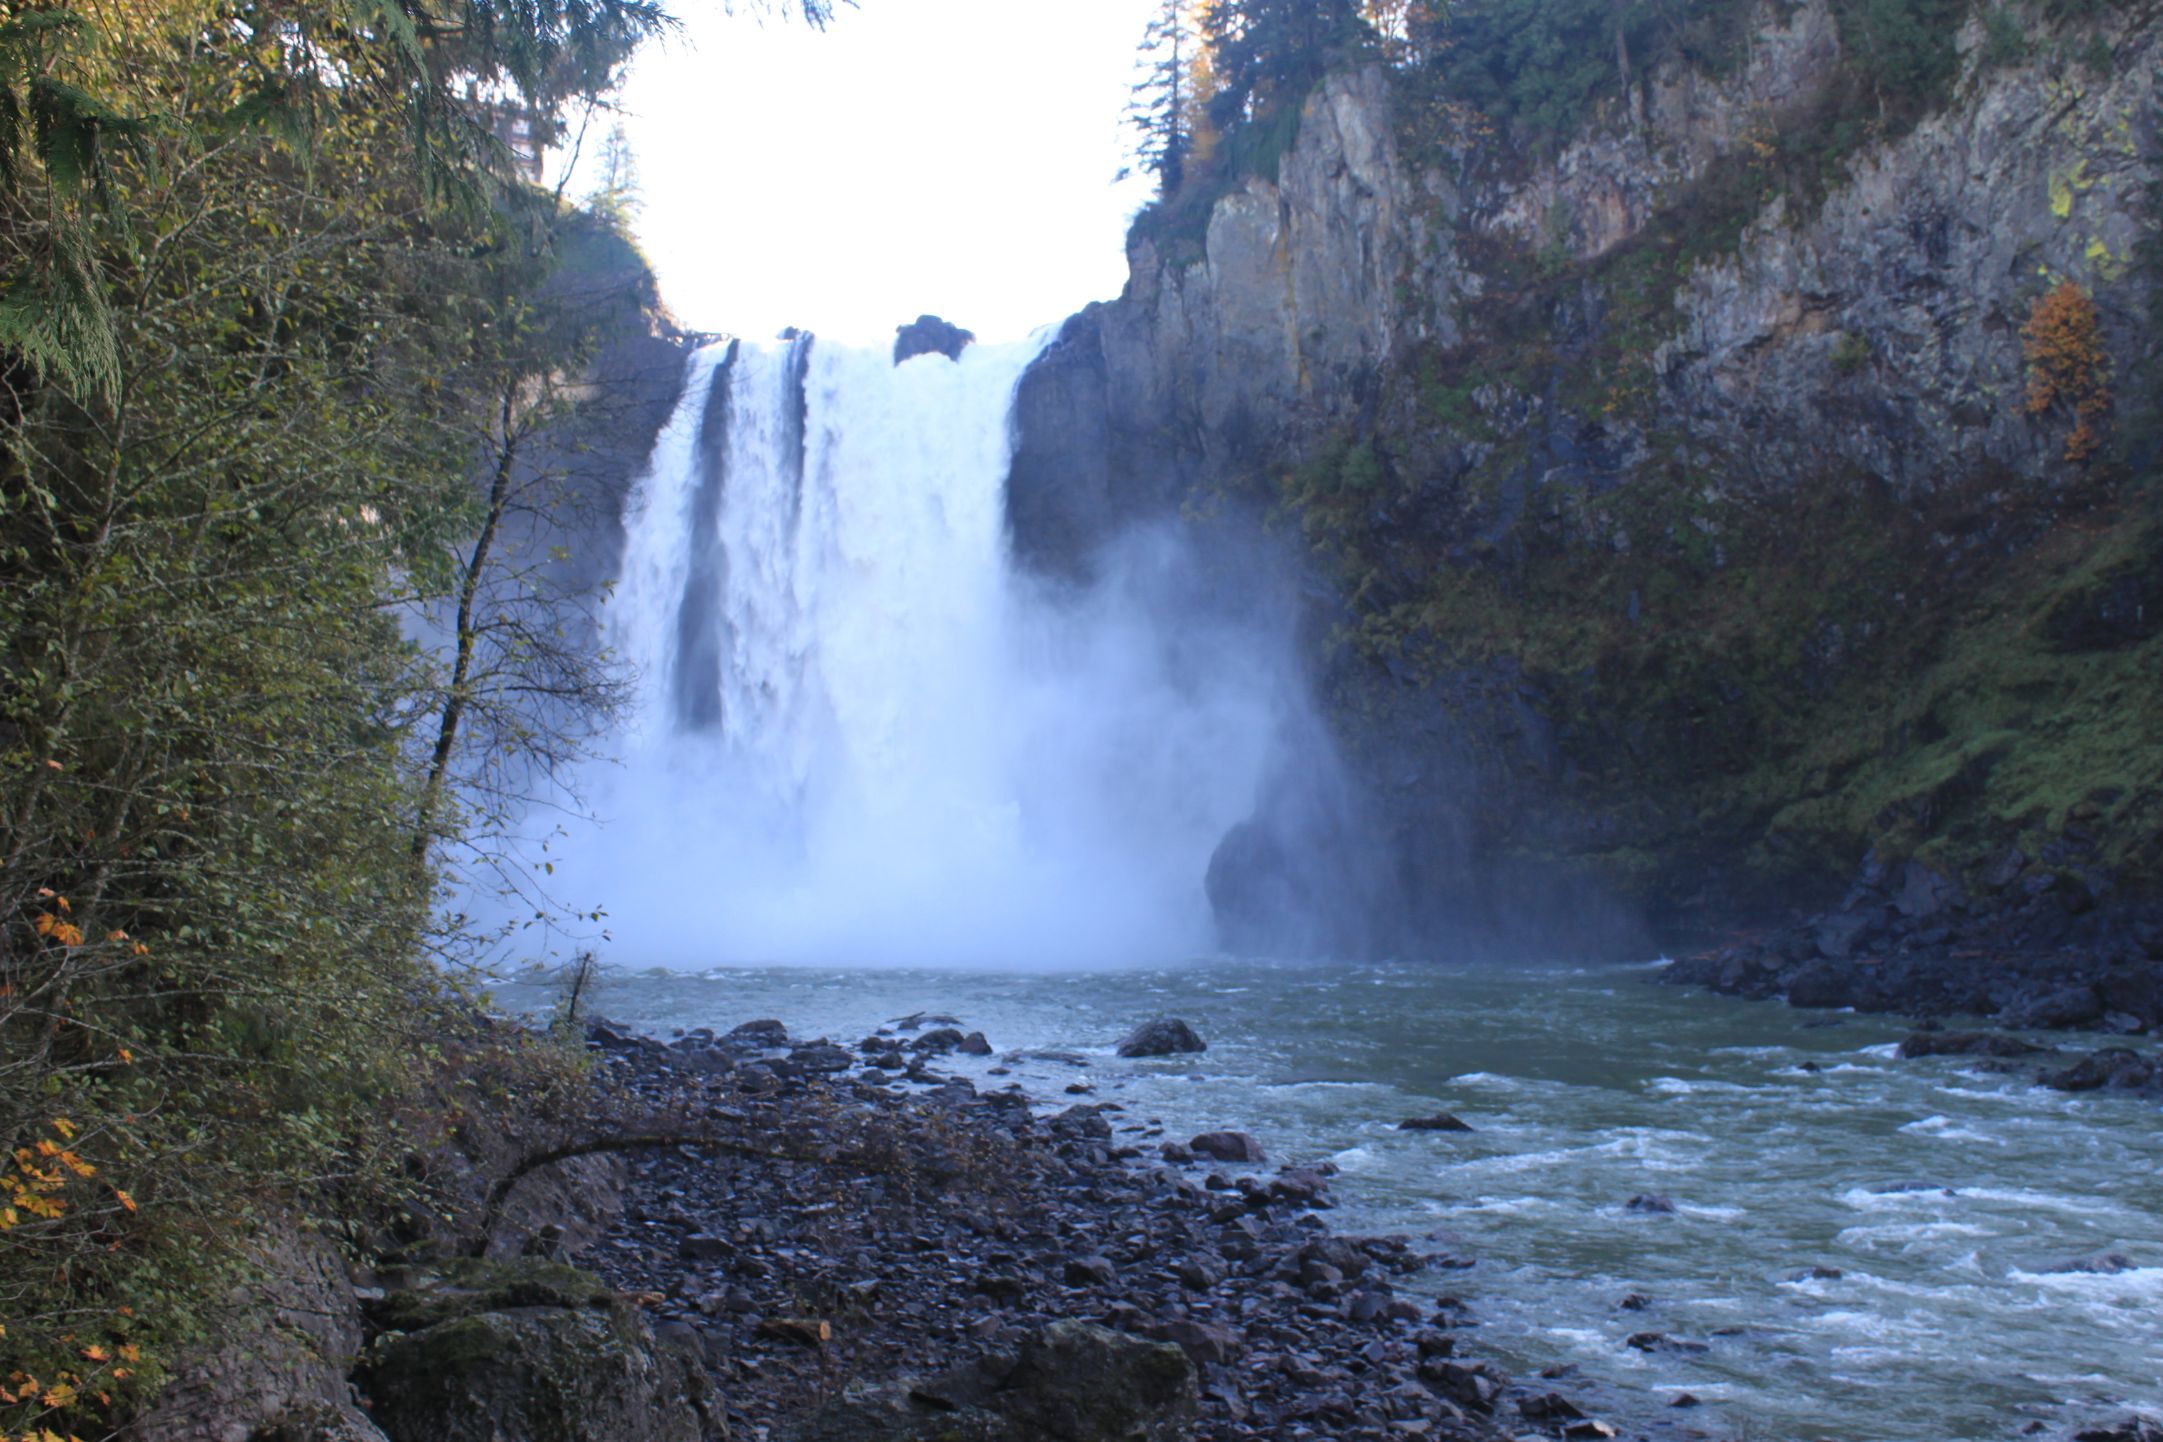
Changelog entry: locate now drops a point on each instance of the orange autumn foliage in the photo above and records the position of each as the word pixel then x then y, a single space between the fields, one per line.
pixel 2063 345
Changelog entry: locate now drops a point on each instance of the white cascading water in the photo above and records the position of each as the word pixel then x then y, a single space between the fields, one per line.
pixel 861 737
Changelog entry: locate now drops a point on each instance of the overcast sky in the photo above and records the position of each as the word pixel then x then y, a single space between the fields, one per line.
pixel 952 156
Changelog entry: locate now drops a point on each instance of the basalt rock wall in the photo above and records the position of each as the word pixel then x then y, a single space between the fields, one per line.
pixel 1679 516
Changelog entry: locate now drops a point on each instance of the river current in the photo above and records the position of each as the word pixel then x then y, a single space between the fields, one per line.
pixel 1867 1248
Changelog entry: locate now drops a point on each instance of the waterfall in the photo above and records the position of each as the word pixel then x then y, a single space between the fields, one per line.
pixel 861 737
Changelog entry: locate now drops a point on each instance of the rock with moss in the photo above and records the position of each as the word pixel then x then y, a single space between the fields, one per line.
pixel 534 1351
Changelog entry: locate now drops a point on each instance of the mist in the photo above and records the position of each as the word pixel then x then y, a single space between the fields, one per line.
pixel 863 738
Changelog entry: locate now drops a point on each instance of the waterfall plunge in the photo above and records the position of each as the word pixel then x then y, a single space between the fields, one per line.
pixel 862 737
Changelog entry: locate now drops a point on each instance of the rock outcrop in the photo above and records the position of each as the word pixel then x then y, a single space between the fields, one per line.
pixel 929 335
pixel 532 1350
pixel 1627 474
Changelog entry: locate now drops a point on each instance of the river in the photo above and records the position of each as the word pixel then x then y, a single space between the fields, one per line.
pixel 1867 1248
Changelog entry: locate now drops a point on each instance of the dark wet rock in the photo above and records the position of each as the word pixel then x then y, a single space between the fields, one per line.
pixel 1966 1043
pixel 1590 1429
pixel 1649 1202
pixel 1661 1342
pixel 1822 984
pixel 1634 1302
pixel 529 1350
pixel 1684 1399
pixel 1549 1407
pixel 1178 1153
pixel 929 335
pixel 1817 1274
pixel 1475 1385
pixel 2102 1264
pixel 699 1247
pixel 1164 1036
pixel 1082 1383
pixel 2136 1428
pixel 973 1044
pixel 1071 1382
pixel 1090 1272
pixel 1439 1122
pixel 2116 1068
pixel 1204 1343
pixel 1229 1147
pixel 939 1039
pixel 1924 893
pixel 822 1056
pixel 2065 1006
pixel 766 1032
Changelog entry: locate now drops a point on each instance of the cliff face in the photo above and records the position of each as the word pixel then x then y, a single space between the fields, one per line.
pixel 1683 525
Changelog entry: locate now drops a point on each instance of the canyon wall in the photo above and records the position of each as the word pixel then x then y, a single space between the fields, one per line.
pixel 1680 518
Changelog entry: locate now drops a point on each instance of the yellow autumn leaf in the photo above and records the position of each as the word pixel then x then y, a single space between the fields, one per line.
pixel 66 1128
pixel 126 1201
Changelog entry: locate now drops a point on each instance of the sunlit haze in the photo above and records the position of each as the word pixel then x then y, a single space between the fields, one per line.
pixel 952 156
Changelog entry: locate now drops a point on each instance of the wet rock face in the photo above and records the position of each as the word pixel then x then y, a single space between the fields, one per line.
pixel 929 335
pixel 532 1350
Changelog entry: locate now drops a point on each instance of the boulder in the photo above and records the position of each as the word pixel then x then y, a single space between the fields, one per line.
pixel 1229 1147
pixel 1924 893
pixel 764 1032
pixel 531 1350
pixel 929 335
pixel 2133 1429
pixel 2063 1007
pixel 2116 1067
pixel 1965 1043
pixel 1071 1382
pixel 1822 984
pixel 1165 1036
pixel 1082 1383
pixel 1439 1122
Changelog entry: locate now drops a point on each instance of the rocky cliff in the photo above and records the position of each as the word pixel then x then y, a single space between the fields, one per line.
pixel 1761 477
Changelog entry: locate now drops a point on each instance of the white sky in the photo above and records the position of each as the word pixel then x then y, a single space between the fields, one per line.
pixel 950 156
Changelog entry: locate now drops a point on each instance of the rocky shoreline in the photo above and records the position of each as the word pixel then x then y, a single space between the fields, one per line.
pixel 953 1254
pixel 2042 945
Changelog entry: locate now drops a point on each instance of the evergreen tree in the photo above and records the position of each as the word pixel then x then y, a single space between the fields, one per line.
pixel 1162 108
pixel 1268 53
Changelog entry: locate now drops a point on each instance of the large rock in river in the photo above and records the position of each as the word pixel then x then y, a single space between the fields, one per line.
pixel 1166 1036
